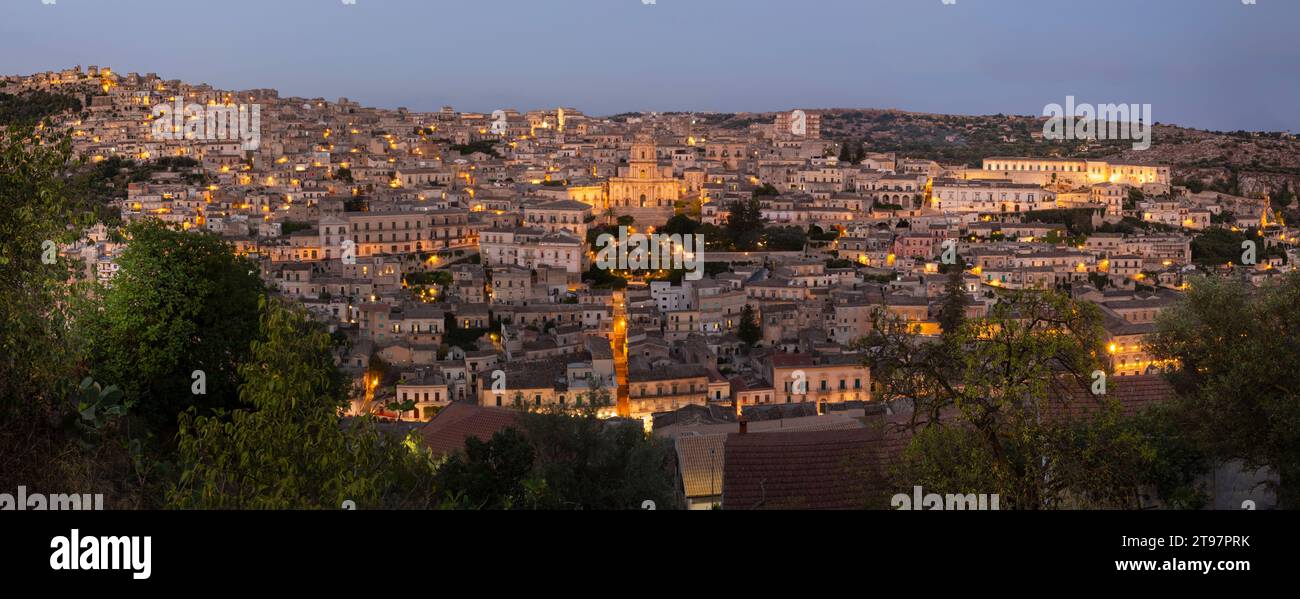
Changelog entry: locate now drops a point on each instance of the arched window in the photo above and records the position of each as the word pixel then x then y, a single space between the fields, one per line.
pixel 643 200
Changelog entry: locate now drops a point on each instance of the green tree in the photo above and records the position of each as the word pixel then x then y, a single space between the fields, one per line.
pixel 1192 185
pixel 715 238
pixel 40 402
pixel 35 206
pixel 284 448
pixel 1236 350
pixel 595 231
pixel 952 311
pixel 441 278
pixel 680 225
pixel 1219 246
pixel 979 404
pixel 563 458
pixel 1284 197
pixel 289 227
pixel 859 152
pixel 745 224
pixel 784 239
pixel 455 336
pixel 587 463
pixel 816 233
pixel 1179 458
pixel 492 474
pixel 181 302
pixel 33 106
pixel 601 278
pixel 749 331
pixel 485 146
pixel 1135 196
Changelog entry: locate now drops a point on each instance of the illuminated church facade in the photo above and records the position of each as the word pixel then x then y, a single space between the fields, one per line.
pixel 643 189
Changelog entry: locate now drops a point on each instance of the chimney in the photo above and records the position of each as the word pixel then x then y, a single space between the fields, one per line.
pixel 744 425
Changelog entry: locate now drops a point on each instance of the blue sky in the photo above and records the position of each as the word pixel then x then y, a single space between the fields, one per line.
pixel 1213 64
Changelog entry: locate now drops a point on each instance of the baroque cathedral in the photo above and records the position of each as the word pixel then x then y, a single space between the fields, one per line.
pixel 643 189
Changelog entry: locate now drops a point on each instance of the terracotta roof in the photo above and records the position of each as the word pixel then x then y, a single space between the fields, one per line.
pixel 781 360
pixel 667 373
pixel 691 415
pixel 807 424
pixel 457 422
pixel 1134 393
pixel 700 459
pixel 836 469
pixel 562 205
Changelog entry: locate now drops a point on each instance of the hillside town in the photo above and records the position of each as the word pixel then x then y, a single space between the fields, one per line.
pixel 459 254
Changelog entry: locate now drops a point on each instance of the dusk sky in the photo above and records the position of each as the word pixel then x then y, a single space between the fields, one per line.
pixel 1214 64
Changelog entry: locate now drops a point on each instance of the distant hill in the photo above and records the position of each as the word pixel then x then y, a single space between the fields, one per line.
pixel 1239 162
pixel 34 105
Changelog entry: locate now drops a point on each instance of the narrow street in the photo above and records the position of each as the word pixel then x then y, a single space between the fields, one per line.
pixel 619 343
